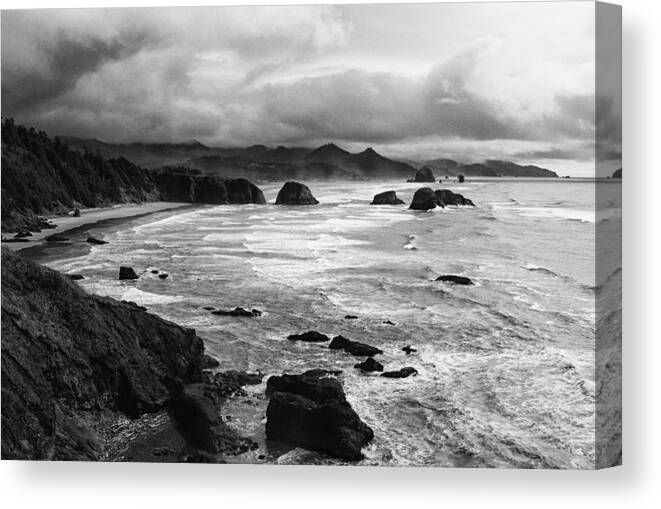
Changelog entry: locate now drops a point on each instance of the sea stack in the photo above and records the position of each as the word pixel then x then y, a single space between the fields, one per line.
pixel 295 193
pixel 386 198
pixel 424 174
pixel 424 199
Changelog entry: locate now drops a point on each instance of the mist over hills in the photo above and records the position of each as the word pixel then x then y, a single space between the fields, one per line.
pixel 327 162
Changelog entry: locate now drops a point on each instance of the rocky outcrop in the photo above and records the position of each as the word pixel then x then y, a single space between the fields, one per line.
pixel 195 414
pixel 353 347
pixel 617 174
pixel 294 193
pixel 447 197
pixel 424 199
pixel 424 174
pixel 67 355
pixel 458 280
pixel 386 198
pixel 243 191
pixel 369 364
pixel 127 273
pixel 310 337
pixel 311 411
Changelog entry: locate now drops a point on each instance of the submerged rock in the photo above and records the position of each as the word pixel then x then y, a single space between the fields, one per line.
pixel 163 275
pixel 424 199
pixel 353 347
pixel 447 197
pixel 92 240
pixel 408 349
pixel 350 317
pixel 458 280
pixel 387 198
pixel 127 273
pixel 402 373
pixel 75 277
pixel 238 311
pixel 369 364
pixel 57 237
pixel 310 337
pixel 311 411
pixel 294 193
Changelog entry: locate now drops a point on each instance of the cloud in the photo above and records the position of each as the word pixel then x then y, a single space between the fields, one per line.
pixel 308 75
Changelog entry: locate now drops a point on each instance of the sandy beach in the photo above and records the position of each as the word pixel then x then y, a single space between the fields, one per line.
pixel 91 217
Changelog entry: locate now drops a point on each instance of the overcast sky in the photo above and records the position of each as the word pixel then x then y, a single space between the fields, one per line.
pixel 465 81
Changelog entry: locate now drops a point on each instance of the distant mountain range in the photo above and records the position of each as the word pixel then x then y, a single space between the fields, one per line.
pixel 262 163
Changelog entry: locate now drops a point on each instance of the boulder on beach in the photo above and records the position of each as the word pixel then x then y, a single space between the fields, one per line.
pixel 353 347
pixel 76 213
pixel 294 193
pixel 386 198
pixel 23 232
pixel 93 240
pixel 127 273
pixel 310 337
pixel 424 199
pixel 458 280
pixel 238 311
pixel 369 364
pixel 311 411
pixel 401 373
pixel 461 179
pixel 447 197
pixel 424 174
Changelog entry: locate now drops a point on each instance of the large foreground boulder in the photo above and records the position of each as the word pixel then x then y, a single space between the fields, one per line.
pixel 294 193
pixel 386 198
pixel 424 174
pixel 67 354
pixel 311 411
pixel 424 199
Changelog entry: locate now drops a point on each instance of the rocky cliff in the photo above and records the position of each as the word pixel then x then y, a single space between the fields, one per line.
pixel 42 175
pixel 68 356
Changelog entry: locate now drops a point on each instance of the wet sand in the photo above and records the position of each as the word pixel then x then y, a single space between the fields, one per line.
pixel 75 227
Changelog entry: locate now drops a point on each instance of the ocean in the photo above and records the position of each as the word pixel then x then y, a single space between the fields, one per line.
pixel 506 367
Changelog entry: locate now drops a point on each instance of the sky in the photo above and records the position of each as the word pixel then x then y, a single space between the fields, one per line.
pixel 469 82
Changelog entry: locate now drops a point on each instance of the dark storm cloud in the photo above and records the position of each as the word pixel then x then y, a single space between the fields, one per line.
pixel 66 60
pixel 308 75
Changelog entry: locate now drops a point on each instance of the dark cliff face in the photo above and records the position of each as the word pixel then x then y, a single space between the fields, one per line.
pixel 67 354
pixel 43 176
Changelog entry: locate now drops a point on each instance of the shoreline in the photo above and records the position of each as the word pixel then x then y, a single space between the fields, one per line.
pixel 37 246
